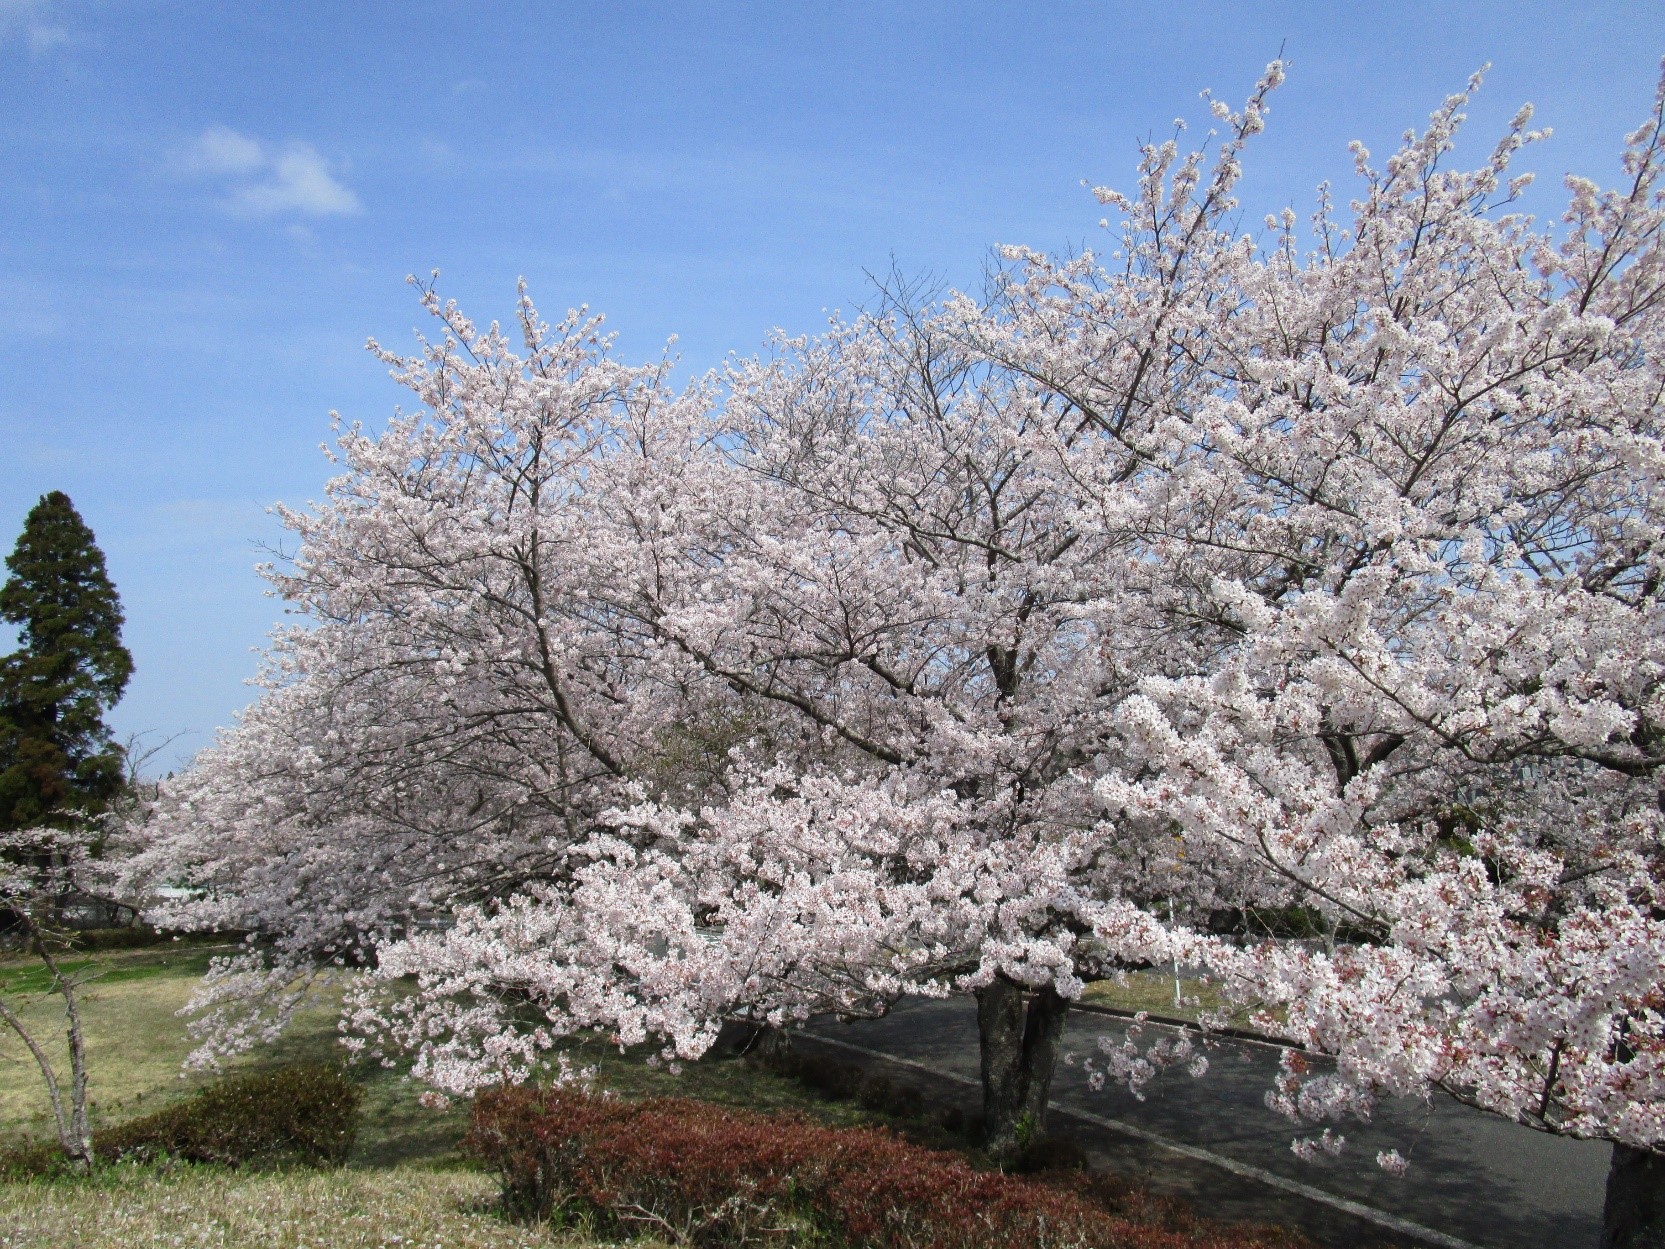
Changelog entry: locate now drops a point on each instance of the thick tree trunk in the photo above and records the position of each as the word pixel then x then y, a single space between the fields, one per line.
pixel 1019 1043
pixel 1634 1214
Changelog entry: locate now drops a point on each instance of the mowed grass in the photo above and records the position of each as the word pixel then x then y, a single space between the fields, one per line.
pixel 135 1040
pixel 402 1207
pixel 404 1184
pixel 1153 991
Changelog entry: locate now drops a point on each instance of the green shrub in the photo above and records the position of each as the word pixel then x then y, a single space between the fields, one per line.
pixel 306 1113
pixel 117 938
pixel 31 1158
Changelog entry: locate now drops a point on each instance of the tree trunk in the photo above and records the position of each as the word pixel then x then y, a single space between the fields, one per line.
pixel 80 1130
pixel 1019 1044
pixel 47 1074
pixel 1634 1214
pixel 75 1134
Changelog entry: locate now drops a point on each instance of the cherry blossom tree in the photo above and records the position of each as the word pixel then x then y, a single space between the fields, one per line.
pixel 458 710
pixel 1403 498
pixel 680 715
pixel 992 645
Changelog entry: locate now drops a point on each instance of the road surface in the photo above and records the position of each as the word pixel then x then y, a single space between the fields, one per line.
pixel 1475 1180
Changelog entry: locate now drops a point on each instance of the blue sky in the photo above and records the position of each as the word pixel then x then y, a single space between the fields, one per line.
pixel 206 208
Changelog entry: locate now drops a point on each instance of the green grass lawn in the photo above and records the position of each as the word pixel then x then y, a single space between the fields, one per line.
pixel 137 1041
pixel 404 1183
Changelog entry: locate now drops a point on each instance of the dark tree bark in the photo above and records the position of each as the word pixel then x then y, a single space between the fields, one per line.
pixel 1019 1043
pixel 1634 1214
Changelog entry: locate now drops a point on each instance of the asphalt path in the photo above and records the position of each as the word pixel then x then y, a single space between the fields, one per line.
pixel 1474 1179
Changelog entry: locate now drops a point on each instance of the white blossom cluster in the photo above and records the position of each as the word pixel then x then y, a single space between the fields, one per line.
pixel 1010 637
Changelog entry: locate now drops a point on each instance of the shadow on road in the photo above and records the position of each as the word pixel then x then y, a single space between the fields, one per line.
pixel 1475 1180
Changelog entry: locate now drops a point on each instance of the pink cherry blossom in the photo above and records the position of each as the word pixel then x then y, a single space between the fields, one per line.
pixel 993 645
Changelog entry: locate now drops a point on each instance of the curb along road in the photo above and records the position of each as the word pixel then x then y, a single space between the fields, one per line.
pixel 1185 1025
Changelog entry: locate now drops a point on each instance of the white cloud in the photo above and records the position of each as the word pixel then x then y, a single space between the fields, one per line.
pixel 267 181
pixel 300 182
pixel 221 150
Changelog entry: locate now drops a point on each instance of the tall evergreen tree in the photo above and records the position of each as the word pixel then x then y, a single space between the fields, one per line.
pixel 56 756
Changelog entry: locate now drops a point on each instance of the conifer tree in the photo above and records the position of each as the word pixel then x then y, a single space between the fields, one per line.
pixel 56 756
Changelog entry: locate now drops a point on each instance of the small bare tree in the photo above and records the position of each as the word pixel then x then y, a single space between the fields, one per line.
pixel 39 869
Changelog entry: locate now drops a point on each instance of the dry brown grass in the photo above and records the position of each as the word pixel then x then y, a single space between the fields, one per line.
pixel 135 1040
pixel 401 1207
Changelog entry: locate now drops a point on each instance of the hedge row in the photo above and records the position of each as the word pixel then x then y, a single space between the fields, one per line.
pixel 696 1174
pixel 306 1113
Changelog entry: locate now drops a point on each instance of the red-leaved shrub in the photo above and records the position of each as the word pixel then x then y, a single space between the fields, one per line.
pixel 698 1174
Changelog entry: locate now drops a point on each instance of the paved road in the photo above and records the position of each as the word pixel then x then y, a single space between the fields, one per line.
pixel 1474 1179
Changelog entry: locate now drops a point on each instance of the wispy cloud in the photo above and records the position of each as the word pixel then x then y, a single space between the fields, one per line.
pixel 30 21
pixel 267 181
pixel 42 39
pixel 221 150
